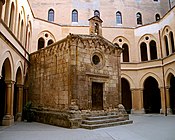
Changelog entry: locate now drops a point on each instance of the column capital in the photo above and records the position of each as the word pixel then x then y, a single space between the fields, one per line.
pixel 19 85
pixel 9 82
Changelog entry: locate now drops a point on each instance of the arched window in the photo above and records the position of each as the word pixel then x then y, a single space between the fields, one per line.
pixel 19 19
pixel 139 18
pixel 125 53
pixel 50 42
pixel 12 16
pixel 41 43
pixel 143 49
pixel 96 13
pixel 153 50
pixel 96 28
pixel 74 16
pixel 166 45
pixel 22 31
pixel 51 15
pixel 157 17
pixel 172 41
pixel 118 17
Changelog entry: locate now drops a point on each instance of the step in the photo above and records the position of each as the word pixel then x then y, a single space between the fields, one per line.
pixel 108 120
pixel 106 124
pixel 102 117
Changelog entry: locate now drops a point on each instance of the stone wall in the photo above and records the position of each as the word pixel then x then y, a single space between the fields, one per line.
pixel 49 77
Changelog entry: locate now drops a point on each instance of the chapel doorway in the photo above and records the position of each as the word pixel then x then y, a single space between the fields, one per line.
pixel 97 96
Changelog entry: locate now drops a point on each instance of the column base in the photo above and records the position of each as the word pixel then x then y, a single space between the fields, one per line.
pixel 169 111
pixel 18 117
pixel 142 111
pixel 8 120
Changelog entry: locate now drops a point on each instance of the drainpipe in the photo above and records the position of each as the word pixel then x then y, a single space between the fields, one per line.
pixel 163 74
pixel 170 4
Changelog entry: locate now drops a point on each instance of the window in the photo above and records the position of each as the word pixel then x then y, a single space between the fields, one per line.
pixel 172 41
pixel 166 45
pixel 96 13
pixel 12 16
pixel 51 15
pixel 50 42
pixel 143 48
pixel 74 16
pixel 125 53
pixel 139 18
pixel 157 17
pixel 153 50
pixel 118 17
pixel 40 43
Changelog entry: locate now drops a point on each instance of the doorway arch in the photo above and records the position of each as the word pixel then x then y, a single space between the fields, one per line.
pixel 151 96
pixel 5 76
pixel 172 93
pixel 126 95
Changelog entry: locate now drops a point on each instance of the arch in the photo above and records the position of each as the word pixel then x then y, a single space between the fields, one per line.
pixel 150 74
pixel 7 10
pixel 41 43
pixel 172 41
pixel 51 14
pixel 151 96
pixel 153 50
pixel 126 95
pixel 168 74
pixel 18 28
pixel 96 13
pixel 50 42
pixel 22 31
pixel 12 16
pixel 19 73
pixel 157 17
pixel 124 40
pixel 125 52
pixel 6 56
pixel 166 45
pixel 139 18
pixel 74 15
pixel 129 79
pixel 143 51
pixel 118 17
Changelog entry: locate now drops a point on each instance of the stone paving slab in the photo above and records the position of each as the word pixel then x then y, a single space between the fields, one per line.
pixel 145 127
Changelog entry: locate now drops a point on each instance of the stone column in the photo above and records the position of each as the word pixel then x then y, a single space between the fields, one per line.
pixel 137 101
pixel 1 4
pixel 8 119
pixel 162 95
pixel 169 110
pixel 20 102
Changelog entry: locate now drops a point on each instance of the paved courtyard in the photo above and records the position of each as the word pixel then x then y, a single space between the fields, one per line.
pixel 145 127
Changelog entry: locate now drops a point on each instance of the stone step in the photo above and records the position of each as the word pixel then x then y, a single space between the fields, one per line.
pixel 94 126
pixel 101 121
pixel 102 117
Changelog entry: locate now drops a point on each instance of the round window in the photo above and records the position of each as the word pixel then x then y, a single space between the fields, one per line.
pixel 96 59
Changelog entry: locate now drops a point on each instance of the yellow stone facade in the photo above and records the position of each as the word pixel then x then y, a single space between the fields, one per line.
pixel 147 62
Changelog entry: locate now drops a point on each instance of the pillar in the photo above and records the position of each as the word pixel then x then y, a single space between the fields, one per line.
pixel 8 119
pixel 20 102
pixel 137 101
pixel 169 110
pixel 162 95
